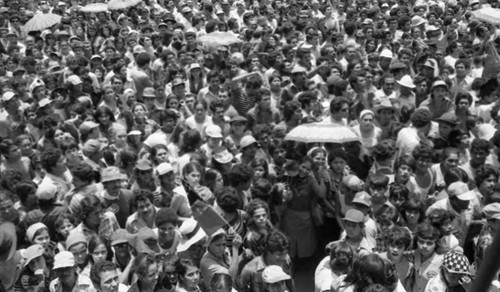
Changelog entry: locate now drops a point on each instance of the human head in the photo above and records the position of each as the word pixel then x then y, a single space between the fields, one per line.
pixel 104 276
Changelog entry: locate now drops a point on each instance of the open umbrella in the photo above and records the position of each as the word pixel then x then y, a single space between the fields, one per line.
pixel 122 4
pixel 216 39
pixel 488 14
pixel 322 133
pixel 95 7
pixel 42 21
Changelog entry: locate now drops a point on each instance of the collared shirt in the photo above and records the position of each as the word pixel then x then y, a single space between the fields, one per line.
pixel 135 223
pixel 211 265
pixel 83 284
pixel 425 270
pixel 437 107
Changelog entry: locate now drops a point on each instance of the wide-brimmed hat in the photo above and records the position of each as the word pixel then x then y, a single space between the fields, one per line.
pixel 406 81
pixel 191 233
pixel 222 155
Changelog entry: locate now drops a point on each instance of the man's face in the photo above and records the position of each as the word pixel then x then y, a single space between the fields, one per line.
pixel 109 281
pixel 486 187
pixel 276 257
pixel 440 92
pixel 389 85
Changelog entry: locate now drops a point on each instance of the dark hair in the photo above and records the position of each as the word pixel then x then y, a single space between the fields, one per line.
pixel 413 204
pixel 221 279
pixel 83 172
pixel 405 160
pixel 455 135
pixel 154 151
pixel 24 188
pixel 142 195
pixel 423 151
pixel 484 172
pixel 142 263
pixel 384 150
pixel 210 178
pixel 337 103
pixel 256 162
pixel 366 270
pixel 95 241
pixel 192 166
pixel 252 207
pixel 240 174
pixel 479 145
pixel 398 191
pixel 5 146
pixel 437 217
pixel 88 205
pixel 276 241
pixel 104 110
pixel 49 158
pixel 337 153
pixel 289 109
pixel 227 199
pixel 427 231
pixel 421 118
pixel 182 264
pixel 97 269
pixel 378 180
pixel 261 189
pixel 399 236
pixel 192 140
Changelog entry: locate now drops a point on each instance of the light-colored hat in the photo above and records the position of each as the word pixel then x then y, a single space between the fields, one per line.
pixel 461 191
pixel 32 252
pixel 64 259
pixel 138 49
pixel 164 168
pixel 247 141
pixel 149 92
pixel 406 81
pixel 75 238
pixel 213 131
pixel 222 155
pixel 74 79
pixel 298 69
pixel 386 54
pixel 384 104
pixel 46 191
pixel 353 215
pixel 438 83
pixel 120 236
pixel 32 229
pixel 363 198
pixel 416 21
pixel 8 96
pixel 44 102
pixel 191 233
pixel 492 211
pixel 365 112
pixel 87 126
pixel 144 164
pixel 112 173
pixel 273 274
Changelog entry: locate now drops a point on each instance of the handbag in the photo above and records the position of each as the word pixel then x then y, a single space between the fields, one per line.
pixel 317 215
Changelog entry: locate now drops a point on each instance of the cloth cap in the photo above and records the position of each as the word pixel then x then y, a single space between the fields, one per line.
pixel 138 49
pixel 448 118
pixel 93 146
pixel 75 238
pixel 47 191
pixel 461 191
pixel 456 263
pixel 222 155
pixel 96 57
pixel 32 230
pixel 397 65
pixel 164 168
pixel 144 164
pixel 238 119
pixel 149 92
pixel 120 236
pixel 363 198
pixel 273 274
pixel 353 215
pixel 385 104
pixel 386 54
pixel 406 81
pixel 64 259
pixel 247 141
pixel 439 83
pixel 112 173
pixel 87 126
pixel 177 81
pixel 74 79
pixel 365 112
pixel 417 20
pixel 352 182
pixel 32 252
pixel 492 211
pixel 213 131
pixel 298 69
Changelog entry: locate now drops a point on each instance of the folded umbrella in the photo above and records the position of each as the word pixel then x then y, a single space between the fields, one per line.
pixel 122 4
pixel 216 39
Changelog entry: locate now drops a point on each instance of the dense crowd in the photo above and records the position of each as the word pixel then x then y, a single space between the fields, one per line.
pixel 157 147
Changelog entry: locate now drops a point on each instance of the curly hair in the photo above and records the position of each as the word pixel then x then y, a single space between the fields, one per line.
pixel 405 160
pixel 399 236
pixel 227 199
pixel 9 179
pixel 276 242
pixel 83 172
pixel 484 172
pixel 240 174
pixel 479 145
pixel 98 269
pixel 88 205
pixel 421 118
pixel 49 158
pixel 142 263
pixel 366 270
pixel 423 151
pixel 142 195
pixel 427 231
pixel 384 150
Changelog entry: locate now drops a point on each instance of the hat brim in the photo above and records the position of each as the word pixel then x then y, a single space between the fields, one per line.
pixel 352 220
pixel 467 196
pixel 279 278
pixel 185 244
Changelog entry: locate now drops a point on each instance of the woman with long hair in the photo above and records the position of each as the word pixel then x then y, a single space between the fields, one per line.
pixel 195 79
pixel 258 226
pixel 189 276
pixel 107 123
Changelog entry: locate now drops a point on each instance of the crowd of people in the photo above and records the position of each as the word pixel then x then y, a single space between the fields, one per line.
pixel 148 148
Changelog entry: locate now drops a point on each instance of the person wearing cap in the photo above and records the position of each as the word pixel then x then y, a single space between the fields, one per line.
pixel 143 173
pixel 219 258
pixel 35 273
pixel 384 119
pixel 276 254
pixel 67 277
pixel 275 279
pixel 299 84
pixel 459 202
pixel 439 101
pixel 405 94
pixel 446 124
pixel 116 197
pixel 248 149
pixel 454 274
pixel 12 117
pixel 214 140
pixel 92 153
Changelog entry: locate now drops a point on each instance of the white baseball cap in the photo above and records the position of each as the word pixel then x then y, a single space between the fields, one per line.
pixel 273 274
